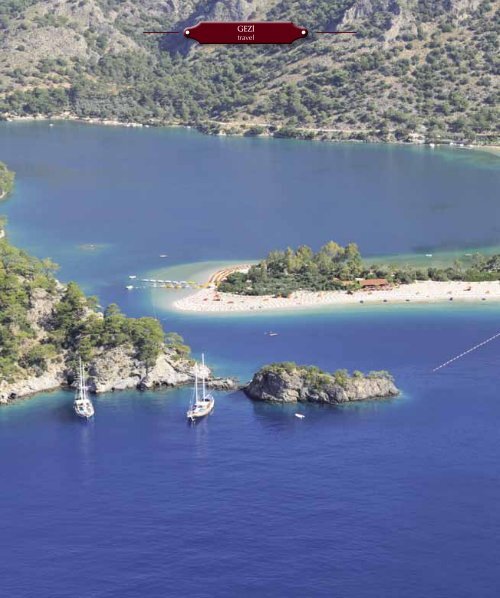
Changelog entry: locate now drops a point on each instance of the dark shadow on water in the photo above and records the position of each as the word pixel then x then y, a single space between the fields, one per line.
pixel 65 414
pixel 283 414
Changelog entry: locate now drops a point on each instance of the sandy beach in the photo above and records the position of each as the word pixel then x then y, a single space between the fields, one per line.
pixel 209 300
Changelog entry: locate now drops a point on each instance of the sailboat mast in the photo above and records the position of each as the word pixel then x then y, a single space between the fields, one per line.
pixel 84 388
pixel 203 374
pixel 81 380
pixel 196 385
pixel 79 377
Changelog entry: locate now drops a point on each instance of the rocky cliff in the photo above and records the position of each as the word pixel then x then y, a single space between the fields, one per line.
pixel 119 369
pixel 113 370
pixel 288 383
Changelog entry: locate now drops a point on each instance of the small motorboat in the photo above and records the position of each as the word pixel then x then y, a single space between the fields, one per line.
pixel 129 287
pixel 300 416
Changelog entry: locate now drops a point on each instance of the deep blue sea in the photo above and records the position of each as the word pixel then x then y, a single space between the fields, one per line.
pixel 393 498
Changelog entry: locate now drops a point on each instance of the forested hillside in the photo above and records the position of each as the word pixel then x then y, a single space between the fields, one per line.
pixel 417 69
pixel 43 322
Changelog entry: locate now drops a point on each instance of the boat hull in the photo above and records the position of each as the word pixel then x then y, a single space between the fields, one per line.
pixel 85 416
pixel 84 413
pixel 201 412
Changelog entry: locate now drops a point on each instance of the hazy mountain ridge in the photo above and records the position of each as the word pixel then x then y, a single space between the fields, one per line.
pixel 416 67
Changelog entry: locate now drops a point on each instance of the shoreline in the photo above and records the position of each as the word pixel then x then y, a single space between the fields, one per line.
pixel 229 131
pixel 209 300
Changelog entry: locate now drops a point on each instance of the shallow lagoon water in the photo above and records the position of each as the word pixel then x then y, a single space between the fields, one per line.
pixel 390 498
pixel 139 193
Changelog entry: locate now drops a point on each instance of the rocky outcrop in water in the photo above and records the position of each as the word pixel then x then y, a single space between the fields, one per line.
pixel 289 383
pixel 114 370
pixel 223 384
pixel 118 369
pixel 53 378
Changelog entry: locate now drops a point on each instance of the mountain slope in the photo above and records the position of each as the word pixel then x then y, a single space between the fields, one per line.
pixel 416 67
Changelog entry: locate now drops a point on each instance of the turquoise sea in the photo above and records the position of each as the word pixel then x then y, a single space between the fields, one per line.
pixel 393 498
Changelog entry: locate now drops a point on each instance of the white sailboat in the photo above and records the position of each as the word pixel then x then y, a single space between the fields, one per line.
pixel 82 404
pixel 204 405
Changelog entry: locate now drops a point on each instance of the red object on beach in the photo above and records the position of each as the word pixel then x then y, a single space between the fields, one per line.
pixel 245 32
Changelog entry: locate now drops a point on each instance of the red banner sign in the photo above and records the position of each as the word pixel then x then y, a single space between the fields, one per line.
pixel 246 32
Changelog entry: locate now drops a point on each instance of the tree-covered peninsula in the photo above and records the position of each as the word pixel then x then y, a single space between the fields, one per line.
pixel 46 326
pixel 334 267
pixel 6 181
pixel 288 382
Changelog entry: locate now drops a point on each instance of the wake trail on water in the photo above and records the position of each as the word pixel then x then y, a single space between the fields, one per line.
pixel 488 340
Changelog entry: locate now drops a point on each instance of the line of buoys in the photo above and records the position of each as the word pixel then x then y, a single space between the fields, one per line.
pixel 488 340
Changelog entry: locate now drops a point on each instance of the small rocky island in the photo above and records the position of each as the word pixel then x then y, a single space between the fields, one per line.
pixel 289 383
